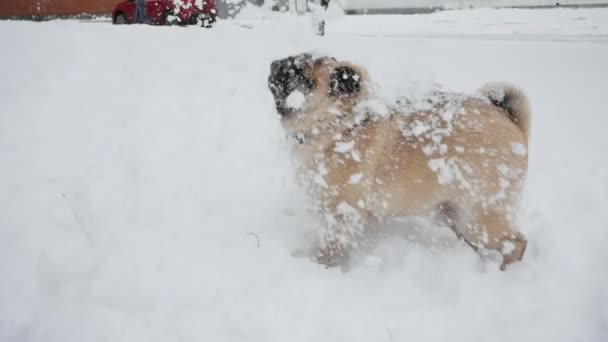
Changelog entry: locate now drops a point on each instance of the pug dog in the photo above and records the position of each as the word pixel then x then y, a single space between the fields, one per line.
pixel 458 159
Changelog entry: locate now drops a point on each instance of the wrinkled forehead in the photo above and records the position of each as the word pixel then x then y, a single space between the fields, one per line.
pixel 325 61
pixel 302 60
pixel 311 61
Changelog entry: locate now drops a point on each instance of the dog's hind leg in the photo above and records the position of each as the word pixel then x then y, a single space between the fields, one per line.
pixel 484 228
pixel 452 215
pixel 344 228
pixel 493 229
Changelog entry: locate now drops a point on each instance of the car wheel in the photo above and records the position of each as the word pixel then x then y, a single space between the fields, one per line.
pixel 168 18
pixel 193 20
pixel 120 19
pixel 207 21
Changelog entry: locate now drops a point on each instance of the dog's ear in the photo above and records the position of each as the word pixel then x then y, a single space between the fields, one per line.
pixel 344 81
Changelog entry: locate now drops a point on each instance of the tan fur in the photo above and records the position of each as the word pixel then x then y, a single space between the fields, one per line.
pixel 462 160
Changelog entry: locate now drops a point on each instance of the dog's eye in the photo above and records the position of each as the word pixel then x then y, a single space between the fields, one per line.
pixel 344 81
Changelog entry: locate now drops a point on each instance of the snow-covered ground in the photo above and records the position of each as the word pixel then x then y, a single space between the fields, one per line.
pixel 146 191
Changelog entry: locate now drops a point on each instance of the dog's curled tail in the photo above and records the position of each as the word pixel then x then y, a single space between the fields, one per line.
pixel 512 100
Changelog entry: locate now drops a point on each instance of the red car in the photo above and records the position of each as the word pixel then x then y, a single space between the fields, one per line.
pixel 166 12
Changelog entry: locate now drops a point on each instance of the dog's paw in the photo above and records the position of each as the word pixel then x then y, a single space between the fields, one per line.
pixel 513 250
pixel 332 256
pixel 323 258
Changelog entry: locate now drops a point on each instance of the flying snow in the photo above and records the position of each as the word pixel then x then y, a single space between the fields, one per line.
pixel 296 100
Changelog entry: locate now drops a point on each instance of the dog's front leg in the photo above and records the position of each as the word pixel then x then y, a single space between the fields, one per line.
pixel 344 225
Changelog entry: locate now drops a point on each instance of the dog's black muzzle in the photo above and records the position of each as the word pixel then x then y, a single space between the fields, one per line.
pixel 286 76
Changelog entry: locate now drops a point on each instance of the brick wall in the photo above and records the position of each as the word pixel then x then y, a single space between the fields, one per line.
pixel 18 8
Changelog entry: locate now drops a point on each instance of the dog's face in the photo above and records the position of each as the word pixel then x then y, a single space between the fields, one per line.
pixel 315 94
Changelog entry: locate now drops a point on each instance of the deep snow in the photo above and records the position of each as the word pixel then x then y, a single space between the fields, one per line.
pixel 141 166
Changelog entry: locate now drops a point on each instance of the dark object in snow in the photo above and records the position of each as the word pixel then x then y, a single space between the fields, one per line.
pixel 286 76
pixel 167 12
pixel 512 101
pixel 256 238
pixel 321 28
pixel 140 12
pixel 344 81
pixel 321 24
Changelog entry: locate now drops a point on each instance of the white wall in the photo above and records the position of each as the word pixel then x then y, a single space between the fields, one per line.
pixel 393 4
pixel 298 6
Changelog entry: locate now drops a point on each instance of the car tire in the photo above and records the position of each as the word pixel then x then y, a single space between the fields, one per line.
pixel 167 19
pixel 120 19
pixel 207 21
pixel 193 20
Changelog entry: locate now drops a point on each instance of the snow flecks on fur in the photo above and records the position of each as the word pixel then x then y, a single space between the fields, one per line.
pixel 342 225
pixel 452 170
pixel 348 211
pixel 334 111
pixel 419 128
pixel 318 175
pixel 444 172
pixel 518 149
pixel 507 247
pixel 347 150
pixel 484 237
pixel 435 119
pixel 355 178
pixel 507 178
pixel 373 107
pixel 432 148
pixel 296 100
pixel 503 184
pixel 344 147
pixel 355 155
